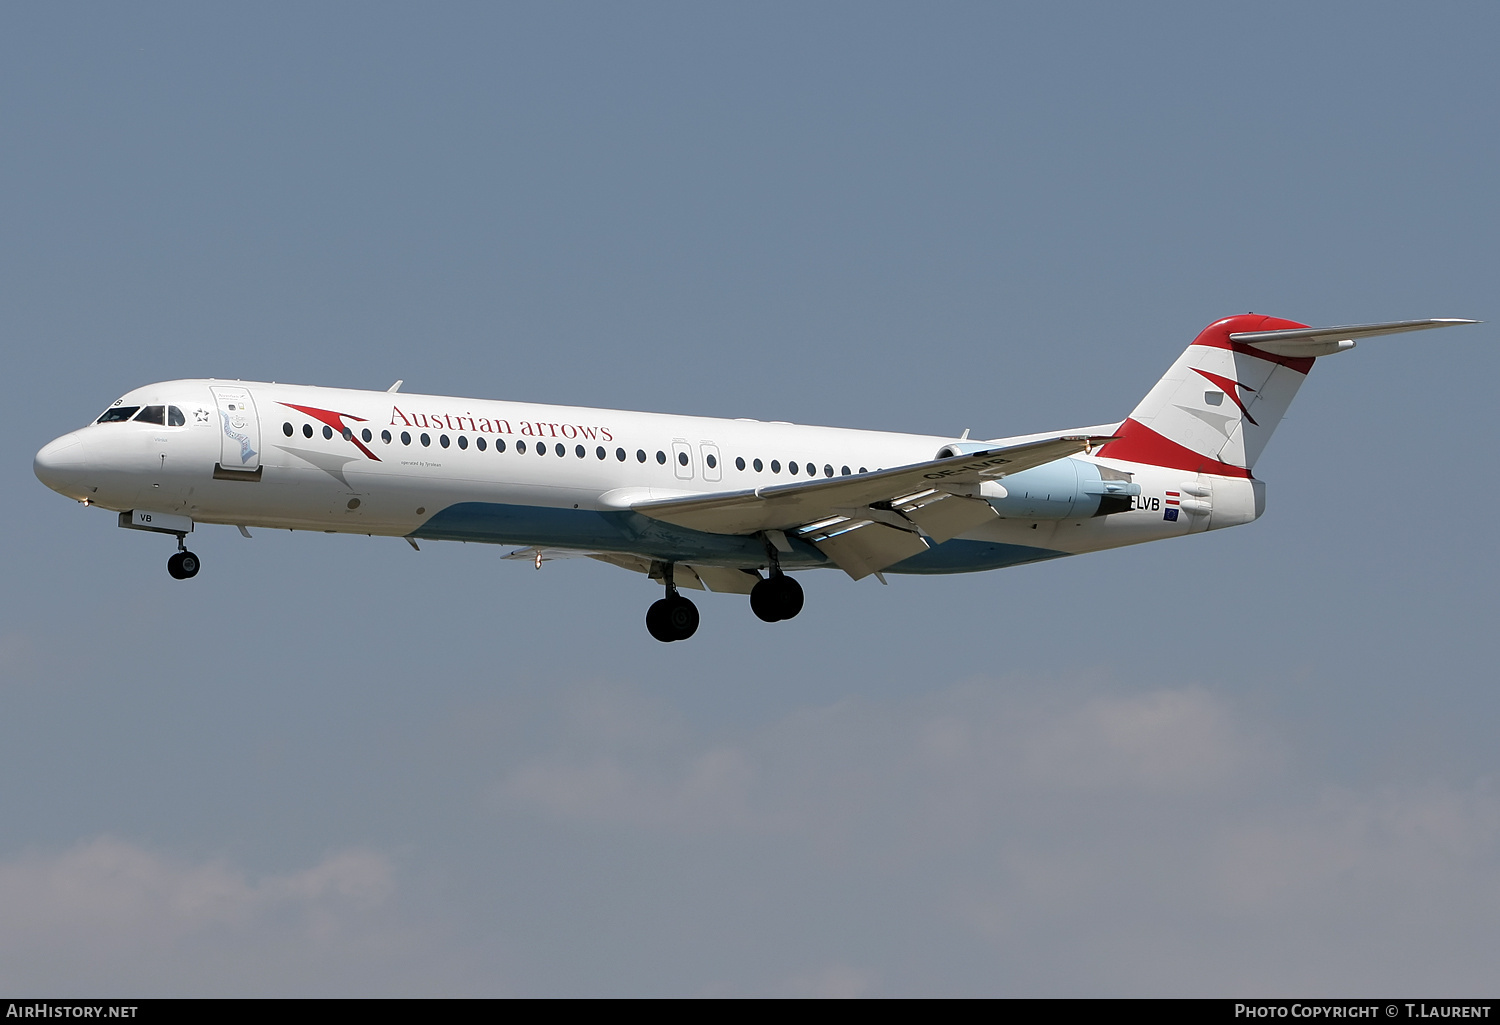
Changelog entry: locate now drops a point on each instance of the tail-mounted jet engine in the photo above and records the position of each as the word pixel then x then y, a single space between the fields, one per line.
pixel 1066 489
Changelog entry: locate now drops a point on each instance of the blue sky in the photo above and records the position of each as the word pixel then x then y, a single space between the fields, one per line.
pixel 1255 762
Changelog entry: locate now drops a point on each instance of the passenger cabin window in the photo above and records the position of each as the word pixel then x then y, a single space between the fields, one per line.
pixel 152 415
pixel 117 415
pixel 307 430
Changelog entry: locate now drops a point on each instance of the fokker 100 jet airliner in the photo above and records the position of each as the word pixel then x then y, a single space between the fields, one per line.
pixel 692 502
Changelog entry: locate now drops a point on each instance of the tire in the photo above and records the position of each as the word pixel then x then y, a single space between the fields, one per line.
pixel 763 601
pixel 183 566
pixel 682 618
pixel 658 624
pixel 789 597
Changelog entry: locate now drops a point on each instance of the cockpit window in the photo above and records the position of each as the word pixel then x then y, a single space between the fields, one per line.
pixel 152 415
pixel 175 417
pixel 117 414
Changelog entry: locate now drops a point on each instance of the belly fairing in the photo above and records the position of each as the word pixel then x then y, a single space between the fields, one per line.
pixel 964 556
pixel 608 531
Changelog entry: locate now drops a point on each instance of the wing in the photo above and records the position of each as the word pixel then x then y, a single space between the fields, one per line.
pixel 869 521
pixel 713 578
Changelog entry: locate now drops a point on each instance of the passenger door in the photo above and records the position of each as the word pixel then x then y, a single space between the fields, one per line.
pixel 239 440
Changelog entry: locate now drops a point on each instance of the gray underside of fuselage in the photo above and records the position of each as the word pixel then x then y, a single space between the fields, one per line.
pixel 631 533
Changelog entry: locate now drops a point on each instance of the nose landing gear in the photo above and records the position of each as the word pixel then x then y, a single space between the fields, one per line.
pixel 672 618
pixel 183 565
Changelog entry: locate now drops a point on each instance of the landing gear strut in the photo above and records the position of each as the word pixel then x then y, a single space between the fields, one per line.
pixel 183 565
pixel 672 618
pixel 778 596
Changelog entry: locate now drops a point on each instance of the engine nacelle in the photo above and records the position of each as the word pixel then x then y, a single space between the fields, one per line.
pixel 1064 489
pixel 963 448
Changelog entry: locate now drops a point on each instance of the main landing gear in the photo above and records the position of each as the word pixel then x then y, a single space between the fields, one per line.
pixel 672 618
pixel 778 596
pixel 183 565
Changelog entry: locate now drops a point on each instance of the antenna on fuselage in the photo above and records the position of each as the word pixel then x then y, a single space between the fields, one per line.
pixel 396 386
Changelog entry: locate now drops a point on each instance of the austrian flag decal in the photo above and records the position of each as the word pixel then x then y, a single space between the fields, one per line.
pixel 1174 500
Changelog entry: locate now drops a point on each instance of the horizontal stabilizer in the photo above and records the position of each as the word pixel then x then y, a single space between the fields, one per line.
pixel 1325 341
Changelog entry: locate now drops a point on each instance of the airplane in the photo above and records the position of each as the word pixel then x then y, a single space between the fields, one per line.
pixel 693 502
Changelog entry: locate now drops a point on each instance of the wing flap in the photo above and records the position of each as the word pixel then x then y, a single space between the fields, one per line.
pixel 730 581
pixel 947 516
pixel 721 579
pixel 869 547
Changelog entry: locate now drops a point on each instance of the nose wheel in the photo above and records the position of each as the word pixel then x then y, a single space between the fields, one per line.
pixel 183 565
pixel 672 618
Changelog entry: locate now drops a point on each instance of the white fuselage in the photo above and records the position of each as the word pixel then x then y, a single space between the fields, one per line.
pixel 427 466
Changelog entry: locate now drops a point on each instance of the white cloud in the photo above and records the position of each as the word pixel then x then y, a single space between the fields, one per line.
pixel 836 982
pixel 955 756
pixel 109 915
pixel 1155 843
pixel 990 838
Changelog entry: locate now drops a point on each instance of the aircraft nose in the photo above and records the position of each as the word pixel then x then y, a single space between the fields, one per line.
pixel 60 464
